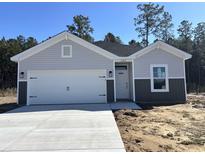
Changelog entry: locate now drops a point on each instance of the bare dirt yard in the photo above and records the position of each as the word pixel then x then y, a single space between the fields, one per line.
pixel 7 100
pixel 167 128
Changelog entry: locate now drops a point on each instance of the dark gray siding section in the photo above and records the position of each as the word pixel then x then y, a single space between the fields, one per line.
pixel 176 92
pixel 22 97
pixel 110 90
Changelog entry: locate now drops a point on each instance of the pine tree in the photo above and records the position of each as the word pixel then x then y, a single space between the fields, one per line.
pixel 148 21
pixel 81 27
pixel 164 30
pixel 185 32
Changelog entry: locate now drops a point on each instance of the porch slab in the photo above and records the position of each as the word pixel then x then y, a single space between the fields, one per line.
pixel 124 105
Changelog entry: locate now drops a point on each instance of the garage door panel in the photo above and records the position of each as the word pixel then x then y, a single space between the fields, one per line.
pixel 62 87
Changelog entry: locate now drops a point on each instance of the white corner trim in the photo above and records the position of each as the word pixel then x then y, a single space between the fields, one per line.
pixel 17 90
pixel 28 88
pixel 115 99
pixel 106 99
pixel 185 86
pixel 152 78
pixel 133 81
pixel 62 51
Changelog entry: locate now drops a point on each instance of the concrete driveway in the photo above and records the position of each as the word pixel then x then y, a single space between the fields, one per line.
pixel 89 127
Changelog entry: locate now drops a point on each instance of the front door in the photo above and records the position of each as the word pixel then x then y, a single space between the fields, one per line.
pixel 122 82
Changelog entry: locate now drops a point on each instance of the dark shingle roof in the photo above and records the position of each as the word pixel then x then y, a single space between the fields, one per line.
pixel 118 49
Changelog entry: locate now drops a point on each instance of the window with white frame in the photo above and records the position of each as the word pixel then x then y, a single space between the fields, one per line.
pixel 159 78
pixel 66 51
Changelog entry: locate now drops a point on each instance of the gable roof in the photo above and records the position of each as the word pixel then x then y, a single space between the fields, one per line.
pixel 118 49
pixel 106 49
pixel 57 38
pixel 165 47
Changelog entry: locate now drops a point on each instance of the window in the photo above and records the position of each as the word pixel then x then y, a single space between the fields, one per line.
pixel 159 78
pixel 66 51
pixel 121 67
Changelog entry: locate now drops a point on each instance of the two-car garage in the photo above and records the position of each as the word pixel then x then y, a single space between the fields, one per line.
pixel 66 86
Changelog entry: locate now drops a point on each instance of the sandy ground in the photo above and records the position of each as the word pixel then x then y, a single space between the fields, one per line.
pixel 7 103
pixel 7 100
pixel 168 128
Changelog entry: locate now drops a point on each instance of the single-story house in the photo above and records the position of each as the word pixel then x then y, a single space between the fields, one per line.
pixel 67 69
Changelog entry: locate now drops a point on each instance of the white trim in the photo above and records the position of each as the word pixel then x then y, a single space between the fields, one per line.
pixel 91 46
pixel 106 88
pixel 109 79
pixel 133 81
pixel 66 35
pixel 123 60
pixel 62 51
pixel 115 99
pixel 28 88
pixel 140 78
pixel 17 90
pixel 185 86
pixel 152 78
pixel 36 49
pixel 180 77
pixel 22 80
pixel 165 47
pixel 62 36
pixel 148 78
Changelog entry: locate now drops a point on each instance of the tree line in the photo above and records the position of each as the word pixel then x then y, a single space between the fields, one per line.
pixel 9 48
pixel 153 21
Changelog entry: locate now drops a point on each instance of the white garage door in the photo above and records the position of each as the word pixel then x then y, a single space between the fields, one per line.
pixel 63 87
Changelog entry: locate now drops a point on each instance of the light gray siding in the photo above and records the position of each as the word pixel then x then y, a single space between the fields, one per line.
pixel 158 56
pixel 50 59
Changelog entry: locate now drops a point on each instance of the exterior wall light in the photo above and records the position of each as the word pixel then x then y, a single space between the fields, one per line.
pixel 110 74
pixel 21 75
